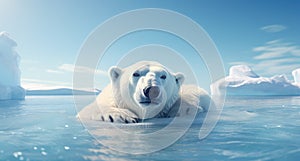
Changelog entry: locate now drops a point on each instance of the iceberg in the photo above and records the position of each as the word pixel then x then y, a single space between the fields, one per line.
pixel 296 75
pixel 242 81
pixel 10 87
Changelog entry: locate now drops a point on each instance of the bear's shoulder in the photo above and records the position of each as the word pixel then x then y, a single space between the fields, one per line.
pixel 195 96
pixel 106 96
pixel 192 99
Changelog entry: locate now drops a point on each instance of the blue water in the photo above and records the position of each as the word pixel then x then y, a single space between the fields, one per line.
pixel 250 128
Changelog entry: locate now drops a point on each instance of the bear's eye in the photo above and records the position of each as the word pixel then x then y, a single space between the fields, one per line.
pixel 136 74
pixel 163 77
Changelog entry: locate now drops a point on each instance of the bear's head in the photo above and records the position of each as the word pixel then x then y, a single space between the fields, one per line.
pixel 146 88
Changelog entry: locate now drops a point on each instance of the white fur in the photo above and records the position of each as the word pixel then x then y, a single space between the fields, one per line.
pixel 122 99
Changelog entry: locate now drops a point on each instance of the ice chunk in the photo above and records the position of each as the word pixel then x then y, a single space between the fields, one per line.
pixel 9 69
pixel 242 71
pixel 296 75
pixel 243 81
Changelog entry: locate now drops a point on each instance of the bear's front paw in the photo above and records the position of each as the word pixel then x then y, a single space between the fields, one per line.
pixel 119 115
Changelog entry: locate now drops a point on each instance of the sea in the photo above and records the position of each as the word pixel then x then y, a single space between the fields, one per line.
pixel 249 128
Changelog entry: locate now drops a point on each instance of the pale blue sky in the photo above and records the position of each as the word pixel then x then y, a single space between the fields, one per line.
pixel 49 33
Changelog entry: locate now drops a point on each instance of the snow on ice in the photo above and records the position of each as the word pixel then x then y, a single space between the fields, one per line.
pixel 9 69
pixel 242 80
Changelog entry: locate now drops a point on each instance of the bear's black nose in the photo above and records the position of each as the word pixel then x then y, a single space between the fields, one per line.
pixel 151 92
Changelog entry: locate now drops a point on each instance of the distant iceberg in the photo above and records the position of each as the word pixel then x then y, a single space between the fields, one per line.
pixel 9 69
pixel 62 91
pixel 242 80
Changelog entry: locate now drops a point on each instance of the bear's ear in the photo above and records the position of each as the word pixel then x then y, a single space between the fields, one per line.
pixel 179 78
pixel 114 73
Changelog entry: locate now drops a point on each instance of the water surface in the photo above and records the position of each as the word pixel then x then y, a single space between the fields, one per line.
pixel 250 128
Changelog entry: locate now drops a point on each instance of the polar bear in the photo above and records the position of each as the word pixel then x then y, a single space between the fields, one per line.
pixel 144 90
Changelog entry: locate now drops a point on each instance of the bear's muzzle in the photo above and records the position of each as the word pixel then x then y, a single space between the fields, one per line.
pixel 151 92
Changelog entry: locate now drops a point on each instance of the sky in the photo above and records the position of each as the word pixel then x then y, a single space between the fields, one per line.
pixel 50 33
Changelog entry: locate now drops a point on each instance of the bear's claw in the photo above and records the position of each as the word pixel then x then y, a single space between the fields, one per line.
pixel 118 117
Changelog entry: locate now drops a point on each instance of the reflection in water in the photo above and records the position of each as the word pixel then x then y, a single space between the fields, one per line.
pixel 146 137
pixel 9 109
pixel 11 103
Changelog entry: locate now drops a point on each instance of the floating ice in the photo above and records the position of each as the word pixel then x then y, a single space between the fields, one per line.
pixel 17 154
pixel 242 80
pixel 9 69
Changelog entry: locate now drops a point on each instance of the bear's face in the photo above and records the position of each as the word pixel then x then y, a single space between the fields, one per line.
pixel 145 88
